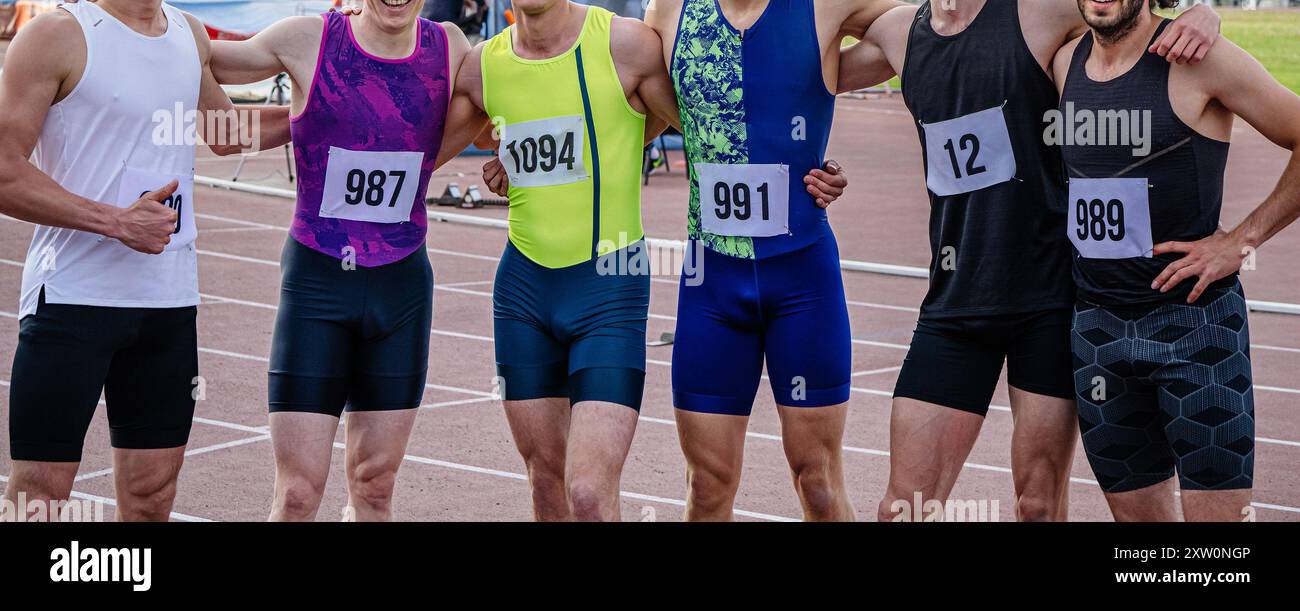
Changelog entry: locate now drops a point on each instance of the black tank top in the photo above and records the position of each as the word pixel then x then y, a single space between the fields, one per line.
pixel 997 191
pixel 1177 171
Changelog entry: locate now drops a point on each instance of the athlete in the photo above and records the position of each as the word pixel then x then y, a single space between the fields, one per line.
pixel 371 93
pixel 541 427
pixel 568 89
pixel 978 84
pixel 755 82
pixel 1161 339
pixel 110 281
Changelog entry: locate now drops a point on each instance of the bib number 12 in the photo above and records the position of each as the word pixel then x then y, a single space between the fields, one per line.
pixel 971 142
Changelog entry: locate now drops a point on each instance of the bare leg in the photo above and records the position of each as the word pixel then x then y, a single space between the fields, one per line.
pixel 376 443
pixel 600 435
pixel 1151 504
pixel 1216 505
pixel 814 438
pixel 714 445
pixel 304 444
pixel 39 483
pixel 541 431
pixel 1042 452
pixel 146 483
pixel 928 444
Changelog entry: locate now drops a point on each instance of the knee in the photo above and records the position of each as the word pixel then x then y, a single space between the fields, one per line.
pixel 148 498
pixel 300 497
pixel 587 500
pixel 374 488
pixel 1035 509
pixel 816 488
pixel 712 488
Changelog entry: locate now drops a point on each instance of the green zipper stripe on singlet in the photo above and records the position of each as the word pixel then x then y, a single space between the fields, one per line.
pixel 595 155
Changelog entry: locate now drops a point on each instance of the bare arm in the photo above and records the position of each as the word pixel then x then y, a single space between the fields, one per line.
pixel 257 128
pixel 278 48
pixel 466 118
pixel 1237 81
pixel 1049 24
pixel 861 14
pixel 635 48
pixel 39 68
pixel 880 53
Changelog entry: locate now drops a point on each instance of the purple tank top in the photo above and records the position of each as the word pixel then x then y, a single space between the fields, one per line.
pixel 358 145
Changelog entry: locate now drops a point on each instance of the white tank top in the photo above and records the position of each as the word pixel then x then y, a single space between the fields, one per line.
pixel 127 127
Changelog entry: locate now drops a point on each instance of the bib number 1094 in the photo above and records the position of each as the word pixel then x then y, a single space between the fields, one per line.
pixel 544 153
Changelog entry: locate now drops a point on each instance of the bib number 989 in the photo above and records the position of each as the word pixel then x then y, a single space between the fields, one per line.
pixel 1099 220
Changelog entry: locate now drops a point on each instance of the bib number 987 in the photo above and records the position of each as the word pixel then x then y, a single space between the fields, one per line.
pixel 371 187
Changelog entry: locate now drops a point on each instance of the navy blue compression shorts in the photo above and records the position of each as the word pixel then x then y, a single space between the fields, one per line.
pixel 575 332
pixel 734 312
pixel 354 339
pixel 1167 389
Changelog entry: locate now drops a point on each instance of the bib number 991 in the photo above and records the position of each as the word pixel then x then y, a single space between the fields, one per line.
pixel 734 201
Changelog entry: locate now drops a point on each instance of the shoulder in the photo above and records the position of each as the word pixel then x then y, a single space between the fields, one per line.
pixel 897 18
pixel 200 33
pixel 457 44
pixel 1061 61
pixel 1226 67
pixel 1056 19
pixel 51 41
pixel 634 43
pixel 661 13
pixel 298 25
pixel 47 27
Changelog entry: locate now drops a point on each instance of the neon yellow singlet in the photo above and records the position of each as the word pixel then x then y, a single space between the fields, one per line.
pixel 566 209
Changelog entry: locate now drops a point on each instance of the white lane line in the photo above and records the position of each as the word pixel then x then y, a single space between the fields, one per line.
pixel 871 372
pixel 662 363
pixel 521 477
pixel 180 517
pixel 192 452
pixel 970 465
pixel 756 435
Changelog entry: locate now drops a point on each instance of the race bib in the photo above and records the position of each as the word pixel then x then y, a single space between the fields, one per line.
pixel 1110 218
pixel 744 200
pixel 371 186
pixel 968 153
pixel 544 153
pixel 136 183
